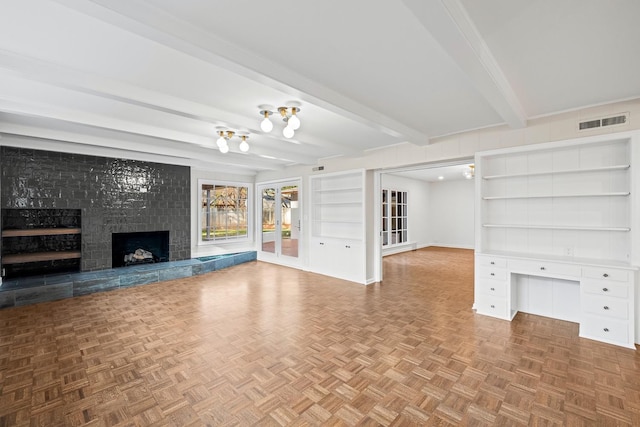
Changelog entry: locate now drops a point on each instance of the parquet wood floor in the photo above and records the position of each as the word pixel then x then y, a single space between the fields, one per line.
pixel 261 344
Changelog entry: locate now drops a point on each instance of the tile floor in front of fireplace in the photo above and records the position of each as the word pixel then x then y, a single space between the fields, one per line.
pixel 37 289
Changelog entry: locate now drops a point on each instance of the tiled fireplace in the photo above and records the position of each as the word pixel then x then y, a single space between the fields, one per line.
pixel 113 196
pixel 109 207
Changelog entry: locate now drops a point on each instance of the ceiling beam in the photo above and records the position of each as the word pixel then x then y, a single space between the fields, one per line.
pixel 97 122
pixel 154 24
pixel 450 25
pixel 81 81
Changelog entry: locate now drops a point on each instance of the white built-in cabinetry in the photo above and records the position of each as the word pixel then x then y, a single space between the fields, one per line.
pixel 337 244
pixel 555 227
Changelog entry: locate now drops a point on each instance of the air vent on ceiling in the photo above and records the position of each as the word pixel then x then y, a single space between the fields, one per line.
pixel 616 120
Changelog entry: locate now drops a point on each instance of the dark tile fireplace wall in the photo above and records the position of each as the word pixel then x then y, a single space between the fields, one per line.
pixel 115 196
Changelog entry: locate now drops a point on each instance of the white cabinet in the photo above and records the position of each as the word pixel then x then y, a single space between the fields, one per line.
pixel 607 300
pixel 492 287
pixel 337 244
pixel 558 221
pixel 600 298
pixel 339 258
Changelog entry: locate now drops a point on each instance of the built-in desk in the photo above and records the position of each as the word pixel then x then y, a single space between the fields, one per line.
pixel 600 297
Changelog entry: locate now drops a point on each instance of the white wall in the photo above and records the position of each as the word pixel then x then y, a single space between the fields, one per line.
pixel 451 213
pixel 418 206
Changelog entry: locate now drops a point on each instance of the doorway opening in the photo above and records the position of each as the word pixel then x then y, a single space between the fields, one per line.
pixel 437 208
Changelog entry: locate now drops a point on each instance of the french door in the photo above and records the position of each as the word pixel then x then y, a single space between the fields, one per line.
pixel 279 228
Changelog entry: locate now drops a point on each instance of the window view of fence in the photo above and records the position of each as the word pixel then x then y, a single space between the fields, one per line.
pixel 225 212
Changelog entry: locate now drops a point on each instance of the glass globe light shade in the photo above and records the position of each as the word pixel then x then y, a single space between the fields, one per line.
pixel 294 122
pixel 288 132
pixel 224 148
pixel 221 141
pixel 244 146
pixel 266 125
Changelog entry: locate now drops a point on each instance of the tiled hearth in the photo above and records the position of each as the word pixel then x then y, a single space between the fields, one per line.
pixel 32 290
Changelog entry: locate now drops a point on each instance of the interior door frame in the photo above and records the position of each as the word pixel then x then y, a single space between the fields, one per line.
pixel 377 202
pixel 275 258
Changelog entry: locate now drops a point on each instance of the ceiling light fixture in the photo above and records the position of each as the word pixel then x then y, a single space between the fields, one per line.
pixel 225 136
pixel 244 145
pixel 266 124
pixel 469 173
pixel 288 115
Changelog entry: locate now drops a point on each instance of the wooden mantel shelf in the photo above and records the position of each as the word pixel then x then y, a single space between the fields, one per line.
pixel 40 232
pixel 40 256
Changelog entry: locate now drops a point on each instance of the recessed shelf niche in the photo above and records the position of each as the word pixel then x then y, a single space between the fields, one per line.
pixel 39 241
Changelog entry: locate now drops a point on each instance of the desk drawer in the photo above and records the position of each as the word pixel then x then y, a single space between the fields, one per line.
pixel 544 268
pixel 604 329
pixel 492 306
pixel 492 287
pixel 490 261
pixel 607 274
pixel 600 287
pixel 491 273
pixel 605 306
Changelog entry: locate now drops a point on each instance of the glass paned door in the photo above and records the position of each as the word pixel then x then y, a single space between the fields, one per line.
pixel 280 215
pixel 268 235
pixel 290 215
pixel 394 217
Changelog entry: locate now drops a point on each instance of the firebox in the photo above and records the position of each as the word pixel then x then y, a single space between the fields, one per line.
pixel 139 248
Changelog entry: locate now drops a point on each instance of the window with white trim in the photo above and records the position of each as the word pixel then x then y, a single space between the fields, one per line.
pixel 224 211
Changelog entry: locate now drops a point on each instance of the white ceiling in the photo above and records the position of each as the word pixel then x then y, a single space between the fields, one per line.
pixel 161 76
pixel 436 173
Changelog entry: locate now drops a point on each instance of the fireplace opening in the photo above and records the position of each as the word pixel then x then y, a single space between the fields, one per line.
pixel 139 248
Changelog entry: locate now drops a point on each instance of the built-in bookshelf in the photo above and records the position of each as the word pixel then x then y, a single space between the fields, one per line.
pixel 555 227
pixel 337 246
pixel 565 201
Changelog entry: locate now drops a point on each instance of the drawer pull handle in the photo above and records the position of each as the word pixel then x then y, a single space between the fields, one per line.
pixel 493 274
pixel 605 289
pixel 321 243
pixel 347 246
pixel 542 268
pixel 606 307
pixel 493 289
pixel 606 329
pixel 493 263
pixel 493 306
pixel 605 275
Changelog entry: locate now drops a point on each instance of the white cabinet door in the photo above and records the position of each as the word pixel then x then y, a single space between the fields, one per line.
pixel 343 259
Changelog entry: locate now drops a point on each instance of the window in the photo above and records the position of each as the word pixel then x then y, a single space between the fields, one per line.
pixel 224 214
pixel 394 217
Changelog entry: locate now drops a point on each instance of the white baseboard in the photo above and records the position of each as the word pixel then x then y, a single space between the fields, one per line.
pixel 396 249
pixel 412 246
pixel 447 245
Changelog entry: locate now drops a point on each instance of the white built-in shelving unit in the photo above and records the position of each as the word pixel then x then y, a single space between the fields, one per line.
pixel 337 246
pixel 555 227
